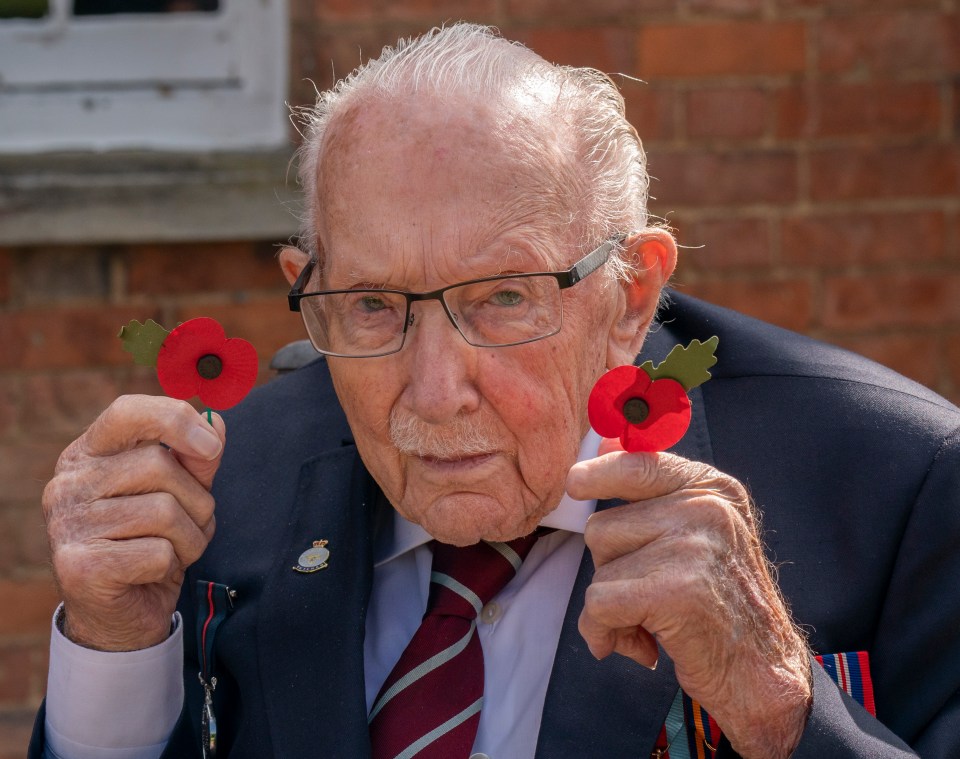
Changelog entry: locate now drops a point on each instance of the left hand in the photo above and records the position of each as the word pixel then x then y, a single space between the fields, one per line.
pixel 682 565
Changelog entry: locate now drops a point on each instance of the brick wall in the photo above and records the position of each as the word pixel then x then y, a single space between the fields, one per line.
pixel 804 150
pixel 60 364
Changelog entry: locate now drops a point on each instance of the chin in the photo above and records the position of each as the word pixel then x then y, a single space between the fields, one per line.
pixel 463 519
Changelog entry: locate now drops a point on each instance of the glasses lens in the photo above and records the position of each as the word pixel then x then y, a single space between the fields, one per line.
pixel 355 323
pixel 507 310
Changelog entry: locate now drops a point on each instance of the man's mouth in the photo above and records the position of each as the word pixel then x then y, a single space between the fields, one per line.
pixel 457 462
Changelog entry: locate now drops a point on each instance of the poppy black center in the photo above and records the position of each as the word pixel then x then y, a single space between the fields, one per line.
pixel 636 410
pixel 209 366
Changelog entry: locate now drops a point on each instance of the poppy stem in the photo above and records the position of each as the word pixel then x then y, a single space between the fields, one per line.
pixel 209 417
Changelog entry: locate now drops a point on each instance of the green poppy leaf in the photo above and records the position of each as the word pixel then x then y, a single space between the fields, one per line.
pixel 143 341
pixel 687 365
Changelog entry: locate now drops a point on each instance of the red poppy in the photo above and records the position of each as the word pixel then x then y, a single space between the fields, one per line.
pixel 196 358
pixel 646 415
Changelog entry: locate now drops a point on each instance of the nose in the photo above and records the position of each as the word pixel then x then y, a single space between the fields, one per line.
pixel 441 367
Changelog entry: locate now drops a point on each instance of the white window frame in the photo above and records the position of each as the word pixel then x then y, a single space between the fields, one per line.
pixel 181 81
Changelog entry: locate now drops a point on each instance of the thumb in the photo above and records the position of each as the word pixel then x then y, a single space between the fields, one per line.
pixel 203 470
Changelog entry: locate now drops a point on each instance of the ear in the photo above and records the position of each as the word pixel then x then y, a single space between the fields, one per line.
pixel 653 255
pixel 292 261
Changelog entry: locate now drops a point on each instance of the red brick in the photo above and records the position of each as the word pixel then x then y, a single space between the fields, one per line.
pixel 32 602
pixel 853 6
pixel 62 404
pixel 952 360
pixel 309 62
pixel 649 109
pixel 11 402
pixel 606 48
pixel 953 235
pixel 902 299
pixel 15 729
pixel 62 272
pixel 786 302
pixel 430 11
pixel 433 12
pixel 876 109
pixel 721 49
pixel 264 322
pixel 55 338
pixel 323 55
pixel 21 667
pixel 955 98
pixel 140 380
pixel 349 10
pixel 716 244
pixel 9 550
pixel 713 177
pixel 731 7
pixel 597 10
pixel 23 537
pixel 916 356
pixel 6 273
pixel 302 10
pixel 791 112
pixel 25 468
pixel 854 173
pixel 894 43
pixel 162 269
pixel 736 113
pixel 832 240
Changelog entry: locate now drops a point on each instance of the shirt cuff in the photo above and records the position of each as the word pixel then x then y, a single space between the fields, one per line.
pixel 120 705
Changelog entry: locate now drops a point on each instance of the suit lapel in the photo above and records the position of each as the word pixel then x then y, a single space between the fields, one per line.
pixel 311 626
pixel 611 708
pixel 615 707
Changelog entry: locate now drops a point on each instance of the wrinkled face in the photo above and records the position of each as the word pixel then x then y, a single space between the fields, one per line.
pixel 469 442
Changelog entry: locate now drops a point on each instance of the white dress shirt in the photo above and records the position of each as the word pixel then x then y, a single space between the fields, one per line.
pixel 99 704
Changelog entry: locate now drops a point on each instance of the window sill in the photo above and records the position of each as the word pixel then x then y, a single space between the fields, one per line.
pixel 140 196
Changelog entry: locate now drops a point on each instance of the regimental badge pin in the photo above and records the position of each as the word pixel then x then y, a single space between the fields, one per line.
pixel 314 558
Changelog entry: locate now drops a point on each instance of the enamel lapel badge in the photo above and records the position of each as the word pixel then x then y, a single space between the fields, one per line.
pixel 314 558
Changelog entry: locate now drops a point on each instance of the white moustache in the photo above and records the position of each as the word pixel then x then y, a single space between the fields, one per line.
pixel 458 439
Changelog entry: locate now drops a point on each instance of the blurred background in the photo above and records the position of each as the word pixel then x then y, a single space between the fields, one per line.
pixel 805 151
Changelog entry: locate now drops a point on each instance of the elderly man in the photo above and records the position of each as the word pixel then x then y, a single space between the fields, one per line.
pixel 477 254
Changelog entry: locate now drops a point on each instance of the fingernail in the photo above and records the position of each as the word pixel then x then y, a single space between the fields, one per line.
pixel 204 442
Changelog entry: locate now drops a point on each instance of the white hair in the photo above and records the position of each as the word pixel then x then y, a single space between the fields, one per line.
pixel 604 187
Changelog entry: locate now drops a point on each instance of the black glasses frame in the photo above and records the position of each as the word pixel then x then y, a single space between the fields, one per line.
pixel 565 279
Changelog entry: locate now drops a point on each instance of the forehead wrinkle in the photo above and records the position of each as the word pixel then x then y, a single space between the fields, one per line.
pixel 527 191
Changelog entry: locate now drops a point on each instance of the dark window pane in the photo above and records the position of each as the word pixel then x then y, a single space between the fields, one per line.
pixel 23 8
pixel 105 7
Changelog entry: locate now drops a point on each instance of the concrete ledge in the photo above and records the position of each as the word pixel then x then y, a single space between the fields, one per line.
pixel 120 196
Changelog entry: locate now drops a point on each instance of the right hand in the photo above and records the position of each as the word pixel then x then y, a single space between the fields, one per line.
pixel 126 517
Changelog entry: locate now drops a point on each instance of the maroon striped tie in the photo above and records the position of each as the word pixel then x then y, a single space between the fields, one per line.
pixel 429 706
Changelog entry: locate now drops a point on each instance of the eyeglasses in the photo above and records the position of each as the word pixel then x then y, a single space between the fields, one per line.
pixel 491 312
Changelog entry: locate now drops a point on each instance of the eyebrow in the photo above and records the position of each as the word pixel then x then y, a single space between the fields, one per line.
pixel 362 280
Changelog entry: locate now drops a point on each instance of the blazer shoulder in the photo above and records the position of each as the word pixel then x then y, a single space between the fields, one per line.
pixel 298 410
pixel 751 348
pixel 277 429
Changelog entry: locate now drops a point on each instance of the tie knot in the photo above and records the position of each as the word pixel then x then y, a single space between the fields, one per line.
pixel 465 579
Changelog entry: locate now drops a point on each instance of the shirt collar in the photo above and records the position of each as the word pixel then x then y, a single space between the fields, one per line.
pixel 396 536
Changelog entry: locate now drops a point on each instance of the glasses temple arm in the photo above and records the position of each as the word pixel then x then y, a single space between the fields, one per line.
pixel 593 261
pixel 293 297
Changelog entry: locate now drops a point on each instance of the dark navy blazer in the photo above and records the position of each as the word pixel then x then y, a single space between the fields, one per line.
pixel 855 470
